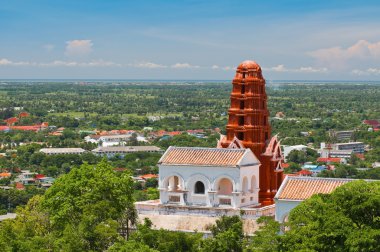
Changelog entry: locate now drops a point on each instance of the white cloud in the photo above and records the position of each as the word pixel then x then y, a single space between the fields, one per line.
pixel 339 57
pixel 94 63
pixel 373 70
pixel 228 68
pixel 60 63
pixel 78 47
pixel 369 71
pixel 183 65
pixel 148 65
pixel 309 69
pixel 215 67
pixel 6 62
pixel 279 68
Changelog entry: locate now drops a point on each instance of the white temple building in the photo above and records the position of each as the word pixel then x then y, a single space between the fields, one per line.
pixel 209 177
pixel 199 185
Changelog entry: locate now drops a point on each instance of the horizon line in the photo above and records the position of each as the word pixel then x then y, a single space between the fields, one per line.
pixel 193 80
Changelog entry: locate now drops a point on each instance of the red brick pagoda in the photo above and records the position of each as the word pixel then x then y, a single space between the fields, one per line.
pixel 248 127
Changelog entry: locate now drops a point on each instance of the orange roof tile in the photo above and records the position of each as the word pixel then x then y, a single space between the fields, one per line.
pixel 304 173
pixel 202 156
pixel 301 188
pixel 285 165
pixel 329 160
pixel 23 114
pixel 360 156
pixel 148 176
pixel 5 174
pixel 20 186
pixel 174 133
pixel 26 128
pixel 3 128
pixel 11 120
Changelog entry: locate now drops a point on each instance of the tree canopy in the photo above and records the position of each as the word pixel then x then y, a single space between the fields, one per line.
pixel 85 210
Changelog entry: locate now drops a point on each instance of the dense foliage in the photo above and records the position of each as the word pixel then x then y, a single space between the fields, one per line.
pixel 87 209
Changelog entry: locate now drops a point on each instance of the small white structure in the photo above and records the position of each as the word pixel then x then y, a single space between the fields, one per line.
pixel 112 151
pixel 112 140
pixel 376 165
pixel 56 151
pixel 210 177
pixel 26 177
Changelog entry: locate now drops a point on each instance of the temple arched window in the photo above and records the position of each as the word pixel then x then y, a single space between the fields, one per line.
pixel 225 186
pixel 199 188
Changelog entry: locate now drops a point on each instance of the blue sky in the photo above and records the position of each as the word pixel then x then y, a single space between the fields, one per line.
pixel 112 39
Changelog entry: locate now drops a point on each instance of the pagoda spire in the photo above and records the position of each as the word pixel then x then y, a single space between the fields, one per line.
pixel 248 122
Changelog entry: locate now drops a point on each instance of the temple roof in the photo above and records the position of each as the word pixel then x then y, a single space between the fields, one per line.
pixel 207 157
pixel 302 188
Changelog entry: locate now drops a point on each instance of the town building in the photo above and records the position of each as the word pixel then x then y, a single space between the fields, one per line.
pixel 341 150
pixel 112 139
pixel 26 177
pixel 344 135
pixel 328 153
pixel 56 151
pixel 112 151
pixel 356 147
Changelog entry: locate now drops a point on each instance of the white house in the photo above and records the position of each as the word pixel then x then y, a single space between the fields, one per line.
pixel 211 177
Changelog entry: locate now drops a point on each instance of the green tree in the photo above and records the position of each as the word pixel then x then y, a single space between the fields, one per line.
pixel 90 199
pixel 164 240
pixel 124 246
pixel 30 231
pixel 227 235
pixel 297 156
pixel 267 238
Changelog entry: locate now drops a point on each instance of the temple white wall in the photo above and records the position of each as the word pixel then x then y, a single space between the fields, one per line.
pixel 230 186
